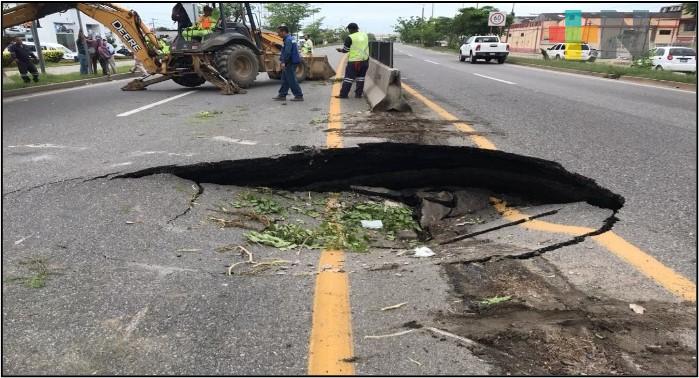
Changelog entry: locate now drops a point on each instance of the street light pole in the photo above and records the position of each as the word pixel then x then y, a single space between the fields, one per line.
pixel 37 45
pixel 85 47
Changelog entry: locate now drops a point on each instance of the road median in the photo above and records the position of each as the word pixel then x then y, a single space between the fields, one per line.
pixel 630 74
pixel 64 85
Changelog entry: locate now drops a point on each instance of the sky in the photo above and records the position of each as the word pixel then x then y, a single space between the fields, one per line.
pixel 379 18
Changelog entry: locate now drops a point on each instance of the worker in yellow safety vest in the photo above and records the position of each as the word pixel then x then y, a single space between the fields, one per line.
pixel 357 48
pixel 307 48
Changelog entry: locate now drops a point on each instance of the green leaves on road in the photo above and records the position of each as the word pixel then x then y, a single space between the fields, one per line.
pixel 330 227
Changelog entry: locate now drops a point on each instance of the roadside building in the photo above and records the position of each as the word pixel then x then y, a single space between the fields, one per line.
pixel 61 28
pixel 614 34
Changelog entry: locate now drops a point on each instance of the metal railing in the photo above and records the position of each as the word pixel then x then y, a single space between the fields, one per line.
pixel 382 51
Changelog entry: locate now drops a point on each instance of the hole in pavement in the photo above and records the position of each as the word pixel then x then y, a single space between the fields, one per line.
pixel 448 187
pixel 397 166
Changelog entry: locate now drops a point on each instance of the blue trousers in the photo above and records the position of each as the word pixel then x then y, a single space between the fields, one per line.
pixel 289 82
pixel 354 71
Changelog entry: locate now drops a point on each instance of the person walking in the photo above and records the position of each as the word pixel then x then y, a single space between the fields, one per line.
pixel 24 57
pixel 356 46
pixel 289 59
pixel 82 54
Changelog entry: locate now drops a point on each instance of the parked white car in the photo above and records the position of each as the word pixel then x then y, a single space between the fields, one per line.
pixel 68 54
pixel 675 58
pixel 487 47
pixel 564 51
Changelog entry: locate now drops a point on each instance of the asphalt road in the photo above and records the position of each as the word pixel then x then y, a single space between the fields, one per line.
pixel 637 140
pixel 135 283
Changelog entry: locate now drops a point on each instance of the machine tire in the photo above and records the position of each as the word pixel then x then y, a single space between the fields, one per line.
pixel 461 57
pixel 471 58
pixel 301 71
pixel 658 68
pixel 190 80
pixel 488 60
pixel 501 60
pixel 239 64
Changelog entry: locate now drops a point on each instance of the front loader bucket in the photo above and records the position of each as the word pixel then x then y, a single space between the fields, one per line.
pixel 318 67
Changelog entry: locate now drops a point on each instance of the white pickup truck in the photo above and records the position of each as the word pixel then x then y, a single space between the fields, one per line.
pixel 487 47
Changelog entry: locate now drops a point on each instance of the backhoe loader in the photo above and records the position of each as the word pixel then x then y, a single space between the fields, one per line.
pixel 230 56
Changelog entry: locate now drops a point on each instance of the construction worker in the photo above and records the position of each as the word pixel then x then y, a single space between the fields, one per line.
pixel 24 57
pixel 205 24
pixel 357 48
pixel 307 48
pixel 288 60
pixel 164 44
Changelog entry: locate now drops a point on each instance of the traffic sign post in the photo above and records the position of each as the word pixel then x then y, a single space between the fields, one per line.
pixel 497 18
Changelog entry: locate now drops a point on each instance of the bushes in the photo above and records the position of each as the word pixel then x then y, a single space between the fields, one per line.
pixel 6 60
pixel 53 56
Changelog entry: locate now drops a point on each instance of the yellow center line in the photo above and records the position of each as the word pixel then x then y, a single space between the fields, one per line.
pixel 330 346
pixel 632 255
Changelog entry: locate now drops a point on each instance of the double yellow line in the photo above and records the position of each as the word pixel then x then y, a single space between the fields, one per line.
pixel 642 261
pixel 331 348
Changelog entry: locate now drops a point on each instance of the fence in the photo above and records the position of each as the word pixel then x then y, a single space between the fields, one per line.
pixel 382 51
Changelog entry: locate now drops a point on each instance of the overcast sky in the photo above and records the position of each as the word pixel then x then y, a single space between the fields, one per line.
pixel 380 17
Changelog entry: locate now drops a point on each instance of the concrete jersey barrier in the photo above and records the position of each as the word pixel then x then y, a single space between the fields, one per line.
pixel 382 88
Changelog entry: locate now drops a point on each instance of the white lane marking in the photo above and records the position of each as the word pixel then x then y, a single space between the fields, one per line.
pixel 49 145
pixel 142 108
pixel 430 61
pixel 492 78
pixel 121 164
pixel 603 79
pixel 143 153
pixel 86 86
pixel 237 141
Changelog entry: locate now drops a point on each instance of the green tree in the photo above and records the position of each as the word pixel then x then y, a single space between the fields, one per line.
pixel 409 29
pixel 289 14
pixel 371 36
pixel 472 21
pixel 690 8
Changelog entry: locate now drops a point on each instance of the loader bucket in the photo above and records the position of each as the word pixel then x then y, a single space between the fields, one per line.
pixel 319 67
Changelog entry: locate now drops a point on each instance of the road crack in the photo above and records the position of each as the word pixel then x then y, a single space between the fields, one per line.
pixel 192 201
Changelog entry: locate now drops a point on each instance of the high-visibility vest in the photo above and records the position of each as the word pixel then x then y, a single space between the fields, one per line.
pixel 359 51
pixel 205 22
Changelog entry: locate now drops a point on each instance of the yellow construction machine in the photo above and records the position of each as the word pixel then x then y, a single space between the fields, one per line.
pixel 229 55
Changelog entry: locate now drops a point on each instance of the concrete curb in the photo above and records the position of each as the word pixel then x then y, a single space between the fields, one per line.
pixel 635 79
pixel 383 88
pixel 65 85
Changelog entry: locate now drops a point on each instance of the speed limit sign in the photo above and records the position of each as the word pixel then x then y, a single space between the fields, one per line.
pixel 497 19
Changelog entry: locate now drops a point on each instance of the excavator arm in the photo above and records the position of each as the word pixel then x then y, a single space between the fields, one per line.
pixel 124 23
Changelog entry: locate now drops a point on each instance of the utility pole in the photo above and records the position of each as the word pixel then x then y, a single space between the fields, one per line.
pixel 432 11
pixel 423 12
pixel 37 45
pixel 85 48
pixel 152 23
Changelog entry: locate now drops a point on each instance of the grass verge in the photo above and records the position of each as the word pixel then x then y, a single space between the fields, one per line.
pixel 15 81
pixel 611 70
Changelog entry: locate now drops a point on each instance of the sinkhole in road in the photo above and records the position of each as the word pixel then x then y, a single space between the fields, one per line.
pixel 441 183
pixel 543 325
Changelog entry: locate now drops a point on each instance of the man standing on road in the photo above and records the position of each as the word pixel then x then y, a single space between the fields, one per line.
pixel 357 47
pixel 24 57
pixel 289 59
